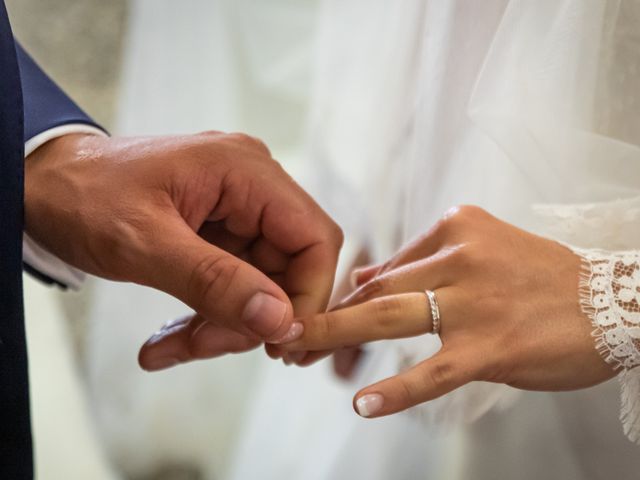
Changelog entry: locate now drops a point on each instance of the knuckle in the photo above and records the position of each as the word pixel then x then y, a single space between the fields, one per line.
pixel 463 257
pixel 441 228
pixel 213 275
pixel 462 216
pixel 251 142
pixel 453 214
pixel 337 235
pixel 210 133
pixel 259 144
pixel 408 392
pixel 373 288
pixel 330 233
pixel 438 374
pixel 467 211
pixel 448 226
pixel 241 137
pixel 414 390
pixel 385 311
pixel 327 326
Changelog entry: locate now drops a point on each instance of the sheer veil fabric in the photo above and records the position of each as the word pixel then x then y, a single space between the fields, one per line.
pixel 528 109
pixel 503 104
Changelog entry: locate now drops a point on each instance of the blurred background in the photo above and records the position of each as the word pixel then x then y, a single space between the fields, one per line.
pixel 152 67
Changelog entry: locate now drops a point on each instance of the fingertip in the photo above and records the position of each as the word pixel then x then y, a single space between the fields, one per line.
pixel 346 361
pixel 297 357
pixel 275 352
pixel 169 346
pixel 295 331
pixel 143 354
pixel 141 359
pixel 150 362
pixel 361 275
pixel 160 364
pixel 368 405
pixel 312 357
pixel 267 316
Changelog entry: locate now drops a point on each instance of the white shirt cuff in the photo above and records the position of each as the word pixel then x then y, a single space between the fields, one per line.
pixel 35 255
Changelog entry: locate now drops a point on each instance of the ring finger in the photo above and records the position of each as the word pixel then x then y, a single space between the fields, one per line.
pixel 396 316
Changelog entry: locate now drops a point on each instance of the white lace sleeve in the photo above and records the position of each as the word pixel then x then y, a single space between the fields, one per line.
pixel 610 297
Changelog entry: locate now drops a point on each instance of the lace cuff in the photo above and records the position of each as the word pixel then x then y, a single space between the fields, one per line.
pixel 610 297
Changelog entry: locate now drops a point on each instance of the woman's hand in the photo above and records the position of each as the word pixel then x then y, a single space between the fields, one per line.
pixel 509 310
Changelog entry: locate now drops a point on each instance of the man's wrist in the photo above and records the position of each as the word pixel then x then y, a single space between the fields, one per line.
pixel 57 132
pixel 34 255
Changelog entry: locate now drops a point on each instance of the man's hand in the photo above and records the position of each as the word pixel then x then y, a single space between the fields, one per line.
pixel 211 219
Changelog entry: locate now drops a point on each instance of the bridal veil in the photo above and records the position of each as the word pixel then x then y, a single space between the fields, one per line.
pixel 417 100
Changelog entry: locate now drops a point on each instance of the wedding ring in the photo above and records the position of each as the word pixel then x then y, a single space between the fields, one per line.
pixel 435 312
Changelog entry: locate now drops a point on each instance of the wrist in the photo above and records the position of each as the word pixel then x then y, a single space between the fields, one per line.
pixel 46 175
pixel 60 148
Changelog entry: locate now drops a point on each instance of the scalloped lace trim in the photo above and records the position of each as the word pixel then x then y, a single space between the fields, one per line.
pixel 610 297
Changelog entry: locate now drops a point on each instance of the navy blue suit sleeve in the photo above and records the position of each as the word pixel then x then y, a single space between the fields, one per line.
pixel 46 106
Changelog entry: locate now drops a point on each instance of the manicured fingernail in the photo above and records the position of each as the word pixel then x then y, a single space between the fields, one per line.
pixel 295 332
pixel 167 329
pixel 160 363
pixel 368 405
pixel 263 314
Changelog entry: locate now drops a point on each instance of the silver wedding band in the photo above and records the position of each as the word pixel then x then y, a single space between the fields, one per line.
pixel 435 312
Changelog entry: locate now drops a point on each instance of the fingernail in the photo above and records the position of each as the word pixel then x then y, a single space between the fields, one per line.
pixel 368 405
pixel 167 329
pixel 264 314
pixel 295 332
pixel 161 363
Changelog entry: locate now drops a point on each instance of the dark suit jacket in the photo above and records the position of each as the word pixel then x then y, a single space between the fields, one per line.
pixel 30 103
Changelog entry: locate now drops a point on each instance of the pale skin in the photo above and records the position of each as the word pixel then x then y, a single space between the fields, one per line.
pixel 210 218
pixel 509 307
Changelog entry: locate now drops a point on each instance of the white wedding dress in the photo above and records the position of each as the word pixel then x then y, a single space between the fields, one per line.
pixel 528 109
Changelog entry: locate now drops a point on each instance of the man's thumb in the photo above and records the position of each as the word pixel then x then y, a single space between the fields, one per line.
pixel 222 288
